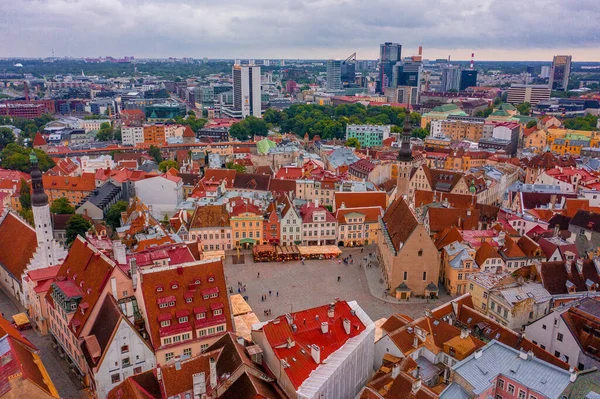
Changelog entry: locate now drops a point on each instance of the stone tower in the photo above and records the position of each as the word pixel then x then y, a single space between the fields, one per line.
pixel 405 160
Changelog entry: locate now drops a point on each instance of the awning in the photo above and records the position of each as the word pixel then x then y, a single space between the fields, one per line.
pixel 247 241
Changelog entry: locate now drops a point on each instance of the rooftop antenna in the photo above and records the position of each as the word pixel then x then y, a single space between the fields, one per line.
pixel 472 60
pixel 52 52
pixel 26 90
pixel 448 60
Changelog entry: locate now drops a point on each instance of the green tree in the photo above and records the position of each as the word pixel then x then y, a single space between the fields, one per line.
pixel 485 113
pixel 106 132
pixel 16 157
pixel 419 133
pixel 587 122
pixel 353 142
pixel 6 137
pixel 154 152
pixel 25 195
pixel 168 164
pixel 524 108
pixel 62 206
pixel 113 216
pixel 27 214
pixel 235 166
pixel 77 225
pixel 531 124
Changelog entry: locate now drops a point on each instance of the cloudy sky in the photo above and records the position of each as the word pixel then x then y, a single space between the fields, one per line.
pixel 493 29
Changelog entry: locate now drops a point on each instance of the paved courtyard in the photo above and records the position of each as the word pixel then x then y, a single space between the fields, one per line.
pixel 64 379
pixel 315 283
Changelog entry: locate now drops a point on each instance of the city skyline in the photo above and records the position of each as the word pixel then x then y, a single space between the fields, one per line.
pixel 313 29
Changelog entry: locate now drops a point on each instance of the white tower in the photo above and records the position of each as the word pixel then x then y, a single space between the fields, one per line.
pixel 48 252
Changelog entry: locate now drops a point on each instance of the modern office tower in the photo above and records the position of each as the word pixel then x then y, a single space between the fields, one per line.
pixel 559 73
pixel 468 78
pixel 389 55
pixel 334 74
pixel 451 78
pixel 545 73
pixel 348 70
pixel 406 74
pixel 246 92
pixel 532 94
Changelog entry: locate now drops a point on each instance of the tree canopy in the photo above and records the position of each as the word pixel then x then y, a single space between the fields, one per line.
pixel 77 225
pixel 531 124
pixel 6 137
pixel 62 206
pixel 329 122
pixel 192 121
pixel 113 216
pixel 248 127
pixel 353 142
pixel 235 166
pixel 25 195
pixel 168 164
pixel 15 157
pixel 154 152
pixel 587 122
pixel 524 108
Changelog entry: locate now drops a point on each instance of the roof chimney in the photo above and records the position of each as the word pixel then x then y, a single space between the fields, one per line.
pixel 199 384
pixel 331 310
pixel 478 353
pixel 213 372
pixel 416 386
pixel 315 352
pixel 395 370
pixel 464 333
pixel 133 272
pixel 324 327
pixel 573 375
pixel 347 326
pixel 289 319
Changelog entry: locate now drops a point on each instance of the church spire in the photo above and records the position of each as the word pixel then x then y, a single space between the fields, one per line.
pixel 405 153
pixel 39 197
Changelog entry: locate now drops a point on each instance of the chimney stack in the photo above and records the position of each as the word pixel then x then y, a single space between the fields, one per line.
pixel 478 353
pixel 315 352
pixel 347 326
pixel 395 370
pixel 331 310
pixel 213 372
pixel 464 333
pixel 324 327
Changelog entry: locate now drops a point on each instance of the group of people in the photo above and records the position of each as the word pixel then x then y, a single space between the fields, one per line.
pixel 241 288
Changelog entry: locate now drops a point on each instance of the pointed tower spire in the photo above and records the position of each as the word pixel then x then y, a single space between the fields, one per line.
pixel 405 153
pixel 39 197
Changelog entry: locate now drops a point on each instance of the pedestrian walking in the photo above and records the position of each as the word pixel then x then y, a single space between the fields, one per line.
pixel 258 275
pixel 277 294
pixel 269 292
pixel 339 279
pixel 362 250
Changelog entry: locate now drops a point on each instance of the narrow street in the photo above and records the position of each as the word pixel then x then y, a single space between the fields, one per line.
pixel 64 379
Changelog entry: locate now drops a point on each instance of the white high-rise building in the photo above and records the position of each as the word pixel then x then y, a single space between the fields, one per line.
pixel 246 92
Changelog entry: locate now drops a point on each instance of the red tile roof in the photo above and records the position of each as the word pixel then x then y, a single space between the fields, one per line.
pixel 18 243
pixel 308 332
pixel 400 222
pixel 372 214
pixel 360 199
pixel 423 197
pixel 289 172
pixel 175 254
pixel 44 273
pixel 85 182
pixel 217 175
pixel 186 276
pixel 441 218
pixel 307 210
pixel 39 140
pixel 188 132
pixel 85 271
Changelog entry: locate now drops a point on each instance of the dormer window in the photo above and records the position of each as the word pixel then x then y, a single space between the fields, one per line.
pixel 211 279
pixel 73 306
pixel 159 288
pixel 197 282
pixel 201 316
pixel 188 300
pixel 172 303
pixel 174 286
pixel 217 312
pixel 165 323
pixel 183 319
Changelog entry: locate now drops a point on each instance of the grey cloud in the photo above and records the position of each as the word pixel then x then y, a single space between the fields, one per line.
pixel 291 29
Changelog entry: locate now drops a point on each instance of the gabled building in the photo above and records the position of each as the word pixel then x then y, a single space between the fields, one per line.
pixel 163 193
pixel 247 223
pixel 458 262
pixel 570 333
pixel 358 226
pixel 210 226
pixel 498 370
pixel 185 306
pixel 22 372
pixel 410 258
pixel 319 226
pixel 516 306
pixel 326 351
pixel 114 349
pixel 84 279
pixel 290 223
pixel 571 277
